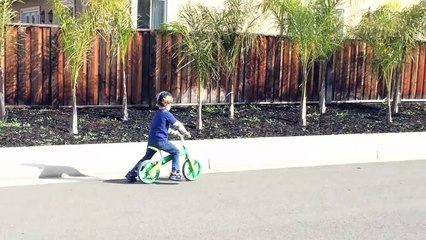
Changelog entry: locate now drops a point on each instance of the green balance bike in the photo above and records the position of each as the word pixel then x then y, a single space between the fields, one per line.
pixel 149 170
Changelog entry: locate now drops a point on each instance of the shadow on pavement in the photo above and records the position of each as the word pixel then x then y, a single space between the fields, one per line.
pixel 49 171
pixel 160 181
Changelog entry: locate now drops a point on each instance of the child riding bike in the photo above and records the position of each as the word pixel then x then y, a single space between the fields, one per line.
pixel 162 124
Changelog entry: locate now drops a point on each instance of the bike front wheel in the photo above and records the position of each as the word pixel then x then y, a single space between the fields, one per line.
pixel 193 172
pixel 145 172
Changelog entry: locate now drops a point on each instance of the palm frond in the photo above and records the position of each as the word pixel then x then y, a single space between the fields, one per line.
pixel 7 16
pixel 194 25
pixel 77 36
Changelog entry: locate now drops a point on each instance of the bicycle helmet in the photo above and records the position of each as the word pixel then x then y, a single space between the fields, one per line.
pixel 164 98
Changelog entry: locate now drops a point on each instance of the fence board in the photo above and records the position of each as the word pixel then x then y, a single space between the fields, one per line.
pixel 346 71
pixel 156 85
pixel 261 90
pixel 294 76
pixel 148 62
pixel 247 74
pixel 353 70
pixel 222 82
pixel 185 72
pixel 174 69
pixel 163 65
pixel 177 72
pixel 280 71
pixel 28 57
pixel 189 84
pixel 168 51
pixel 108 80
pixel 338 74
pixel 93 74
pixel 405 83
pixel 67 84
pixel 423 67
pixel 113 75
pixel 22 47
pixel 120 72
pixel 60 77
pixel 414 70
pixel 276 67
pixel 312 77
pixel 82 86
pixel 136 69
pixel 54 67
pixel 129 72
pixel 269 77
pixel 374 83
pixel 359 86
pixel 194 83
pixel 241 70
pixel 46 65
pixel 35 67
pixel 286 70
pixel 366 74
pixel 102 70
pixel 421 71
pixel 10 73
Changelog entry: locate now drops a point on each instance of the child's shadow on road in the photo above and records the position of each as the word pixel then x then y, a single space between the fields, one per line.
pixel 160 181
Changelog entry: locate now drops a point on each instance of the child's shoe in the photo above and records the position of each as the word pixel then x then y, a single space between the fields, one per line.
pixel 131 177
pixel 175 176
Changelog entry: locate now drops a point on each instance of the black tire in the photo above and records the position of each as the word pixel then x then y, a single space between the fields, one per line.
pixel 189 173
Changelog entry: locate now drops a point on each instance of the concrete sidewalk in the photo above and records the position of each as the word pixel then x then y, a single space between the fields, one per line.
pixel 106 160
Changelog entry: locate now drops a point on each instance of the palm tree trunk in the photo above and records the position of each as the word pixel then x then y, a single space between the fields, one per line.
pixel 200 106
pixel 2 96
pixel 303 104
pixel 231 107
pixel 322 87
pixel 231 100
pixel 124 104
pixel 74 124
pixel 389 110
pixel 389 93
pixel 397 91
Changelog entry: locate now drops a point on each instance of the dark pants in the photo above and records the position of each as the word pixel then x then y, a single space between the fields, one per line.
pixel 166 147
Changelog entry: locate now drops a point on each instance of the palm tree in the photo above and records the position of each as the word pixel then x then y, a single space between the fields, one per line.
pixel 198 45
pixel 302 31
pixel 233 29
pixel 7 15
pixel 116 24
pixel 77 36
pixel 414 18
pixel 392 34
pixel 313 27
pixel 331 35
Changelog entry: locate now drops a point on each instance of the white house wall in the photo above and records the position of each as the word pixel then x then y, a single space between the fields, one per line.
pixel 353 11
pixel 360 7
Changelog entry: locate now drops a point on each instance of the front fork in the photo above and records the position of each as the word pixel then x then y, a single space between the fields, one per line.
pixel 189 159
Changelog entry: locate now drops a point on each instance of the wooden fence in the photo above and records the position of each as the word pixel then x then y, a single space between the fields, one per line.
pixel 36 73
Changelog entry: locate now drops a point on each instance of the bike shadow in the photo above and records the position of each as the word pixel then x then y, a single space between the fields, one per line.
pixel 160 181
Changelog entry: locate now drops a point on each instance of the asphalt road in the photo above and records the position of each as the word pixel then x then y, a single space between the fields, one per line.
pixel 361 201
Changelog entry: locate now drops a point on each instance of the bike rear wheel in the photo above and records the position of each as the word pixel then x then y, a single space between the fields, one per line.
pixel 191 173
pixel 145 174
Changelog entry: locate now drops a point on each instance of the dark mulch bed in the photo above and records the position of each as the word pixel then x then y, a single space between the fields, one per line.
pixel 30 127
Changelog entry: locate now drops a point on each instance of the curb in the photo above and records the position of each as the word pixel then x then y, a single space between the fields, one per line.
pixel 217 155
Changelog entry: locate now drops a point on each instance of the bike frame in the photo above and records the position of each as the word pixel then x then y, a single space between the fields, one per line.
pixel 168 158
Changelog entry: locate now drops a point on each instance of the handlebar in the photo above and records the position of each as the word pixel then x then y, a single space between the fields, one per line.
pixel 182 138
